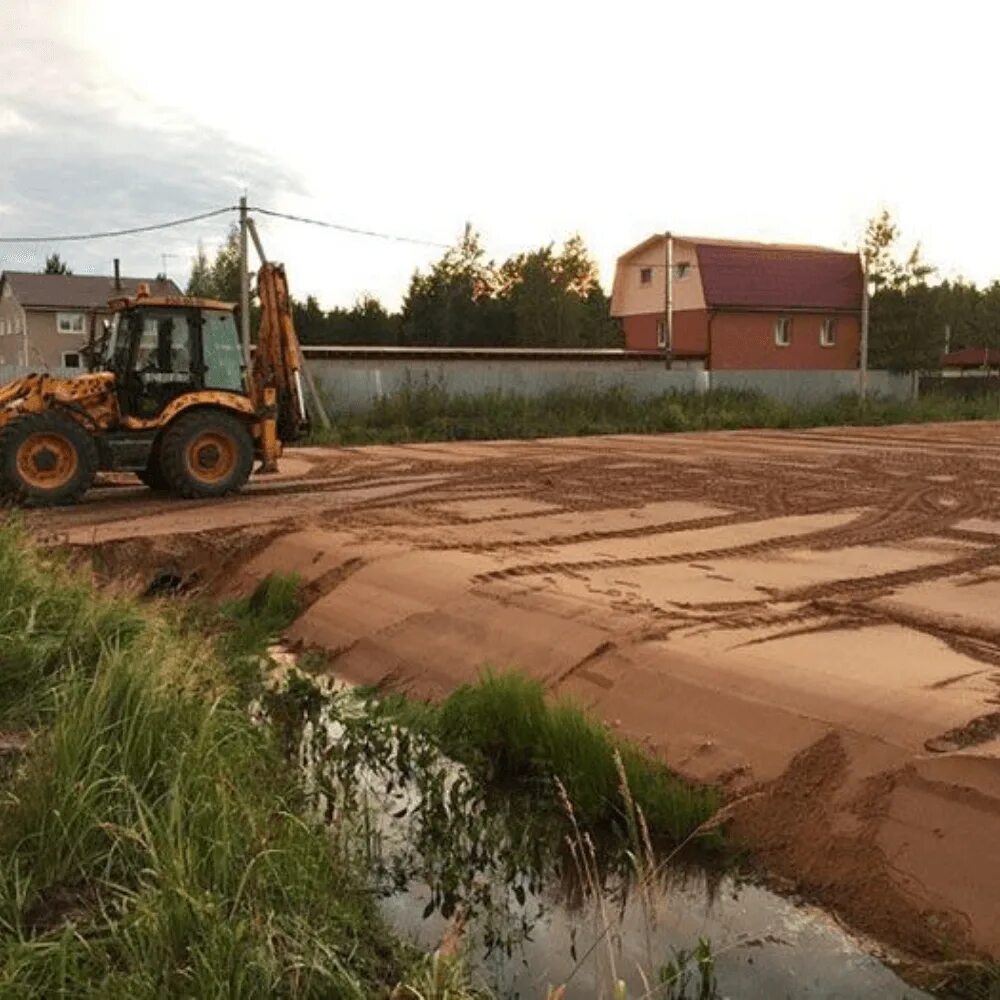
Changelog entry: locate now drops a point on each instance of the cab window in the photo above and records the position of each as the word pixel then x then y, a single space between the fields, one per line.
pixel 163 353
pixel 221 350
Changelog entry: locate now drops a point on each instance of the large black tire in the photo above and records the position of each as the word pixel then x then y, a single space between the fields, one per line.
pixel 206 453
pixel 152 476
pixel 46 459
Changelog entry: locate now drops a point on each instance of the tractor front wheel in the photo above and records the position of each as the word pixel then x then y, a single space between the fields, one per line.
pixel 46 459
pixel 152 475
pixel 206 453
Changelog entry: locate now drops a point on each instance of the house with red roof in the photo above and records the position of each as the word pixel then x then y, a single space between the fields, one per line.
pixel 738 305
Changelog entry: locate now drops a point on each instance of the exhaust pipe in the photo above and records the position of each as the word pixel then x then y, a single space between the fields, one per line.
pixel 118 275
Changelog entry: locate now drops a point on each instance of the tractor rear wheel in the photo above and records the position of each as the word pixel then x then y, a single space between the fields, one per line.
pixel 206 453
pixel 46 459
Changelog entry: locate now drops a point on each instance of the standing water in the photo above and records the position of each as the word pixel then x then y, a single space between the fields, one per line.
pixel 540 903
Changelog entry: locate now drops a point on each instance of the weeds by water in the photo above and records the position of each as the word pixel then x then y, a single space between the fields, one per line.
pixel 503 725
pixel 426 412
pixel 152 841
pixel 484 838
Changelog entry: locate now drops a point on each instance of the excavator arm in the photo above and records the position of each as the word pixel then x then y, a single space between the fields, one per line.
pixel 276 374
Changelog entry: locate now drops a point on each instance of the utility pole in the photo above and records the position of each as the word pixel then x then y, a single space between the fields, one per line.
pixel 863 367
pixel 244 285
pixel 668 299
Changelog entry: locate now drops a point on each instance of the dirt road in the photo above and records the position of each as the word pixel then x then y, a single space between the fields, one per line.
pixel 808 618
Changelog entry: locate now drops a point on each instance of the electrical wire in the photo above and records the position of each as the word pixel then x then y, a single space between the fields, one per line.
pixel 348 229
pixel 77 237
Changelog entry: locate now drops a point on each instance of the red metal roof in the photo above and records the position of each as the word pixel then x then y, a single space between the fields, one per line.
pixel 972 357
pixel 766 276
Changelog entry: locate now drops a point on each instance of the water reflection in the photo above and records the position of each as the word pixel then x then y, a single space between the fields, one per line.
pixel 543 902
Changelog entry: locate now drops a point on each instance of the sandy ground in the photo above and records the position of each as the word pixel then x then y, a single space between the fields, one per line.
pixel 809 619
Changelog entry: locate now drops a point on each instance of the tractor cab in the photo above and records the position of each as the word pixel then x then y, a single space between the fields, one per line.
pixel 160 348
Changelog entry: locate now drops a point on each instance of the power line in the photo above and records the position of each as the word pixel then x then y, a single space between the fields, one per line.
pixel 349 229
pixel 80 237
pixel 77 237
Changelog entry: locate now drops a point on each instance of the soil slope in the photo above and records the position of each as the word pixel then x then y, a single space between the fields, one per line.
pixel 807 618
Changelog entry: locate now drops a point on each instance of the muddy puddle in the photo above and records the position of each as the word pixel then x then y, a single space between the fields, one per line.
pixel 538 901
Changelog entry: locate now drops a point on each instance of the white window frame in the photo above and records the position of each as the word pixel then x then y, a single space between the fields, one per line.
pixel 828 332
pixel 645 276
pixel 682 271
pixel 71 319
pixel 75 354
pixel 783 332
pixel 661 333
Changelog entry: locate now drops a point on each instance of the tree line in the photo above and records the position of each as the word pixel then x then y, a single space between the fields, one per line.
pixel 914 319
pixel 548 297
pixel 551 297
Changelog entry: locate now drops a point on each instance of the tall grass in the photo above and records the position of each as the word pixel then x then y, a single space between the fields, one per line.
pixel 504 724
pixel 429 413
pixel 151 841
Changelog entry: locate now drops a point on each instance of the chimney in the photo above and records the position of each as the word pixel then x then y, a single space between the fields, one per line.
pixel 118 275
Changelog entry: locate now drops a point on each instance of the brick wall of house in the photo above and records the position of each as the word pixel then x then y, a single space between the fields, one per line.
pixel 690 332
pixel 747 341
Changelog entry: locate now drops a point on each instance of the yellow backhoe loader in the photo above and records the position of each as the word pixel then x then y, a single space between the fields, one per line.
pixel 170 397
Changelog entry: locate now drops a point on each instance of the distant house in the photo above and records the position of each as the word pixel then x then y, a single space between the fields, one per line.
pixel 742 305
pixel 972 361
pixel 44 317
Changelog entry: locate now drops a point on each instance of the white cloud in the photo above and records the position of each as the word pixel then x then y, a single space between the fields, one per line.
pixel 775 120
pixel 11 122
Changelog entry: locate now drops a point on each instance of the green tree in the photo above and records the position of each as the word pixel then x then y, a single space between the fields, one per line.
pixel 540 298
pixel 556 299
pixel 220 277
pixel 226 268
pixel 54 264
pixel 886 266
pixel 449 306
pixel 366 322
pixel 906 324
pixel 200 282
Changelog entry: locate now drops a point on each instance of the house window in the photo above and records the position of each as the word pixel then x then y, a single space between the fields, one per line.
pixel 681 271
pixel 828 333
pixel 783 332
pixel 661 333
pixel 645 275
pixel 71 359
pixel 69 322
pixel 3 328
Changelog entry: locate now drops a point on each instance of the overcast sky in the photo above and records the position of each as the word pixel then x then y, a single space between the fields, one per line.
pixel 784 121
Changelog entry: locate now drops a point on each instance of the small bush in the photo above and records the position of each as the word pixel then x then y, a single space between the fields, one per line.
pixel 502 723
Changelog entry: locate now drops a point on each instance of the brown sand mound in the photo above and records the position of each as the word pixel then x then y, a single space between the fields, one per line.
pixel 796 614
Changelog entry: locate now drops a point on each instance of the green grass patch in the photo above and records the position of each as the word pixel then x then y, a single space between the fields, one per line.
pixel 503 724
pixel 152 839
pixel 426 412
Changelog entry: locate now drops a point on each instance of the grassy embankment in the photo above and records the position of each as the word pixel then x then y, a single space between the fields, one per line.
pixel 428 413
pixel 152 840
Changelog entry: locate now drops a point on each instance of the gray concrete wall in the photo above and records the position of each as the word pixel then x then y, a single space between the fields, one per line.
pixel 813 386
pixel 351 384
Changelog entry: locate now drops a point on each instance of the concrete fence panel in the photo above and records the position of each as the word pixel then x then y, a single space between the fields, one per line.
pixel 352 379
